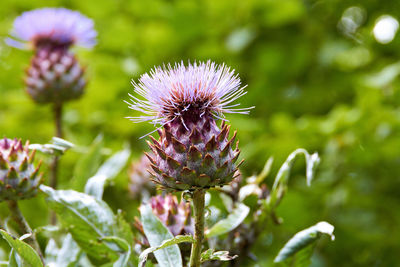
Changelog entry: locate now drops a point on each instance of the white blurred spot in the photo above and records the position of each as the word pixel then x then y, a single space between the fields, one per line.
pixel 385 29
pixel 351 20
pixel 130 66
pixel 240 39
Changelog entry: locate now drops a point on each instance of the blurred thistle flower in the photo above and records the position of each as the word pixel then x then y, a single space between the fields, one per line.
pixel 19 178
pixel 139 179
pixel 185 101
pixel 54 75
pixel 55 26
pixel 174 215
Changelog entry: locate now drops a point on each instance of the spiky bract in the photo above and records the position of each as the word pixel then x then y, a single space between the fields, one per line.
pixel 19 178
pixel 198 158
pixel 54 76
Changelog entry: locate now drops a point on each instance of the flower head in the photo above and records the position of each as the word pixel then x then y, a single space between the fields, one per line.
pixel 57 26
pixel 192 151
pixel 187 93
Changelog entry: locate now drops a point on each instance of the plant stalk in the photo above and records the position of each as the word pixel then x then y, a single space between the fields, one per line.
pixel 59 133
pixel 17 216
pixel 57 110
pixel 198 207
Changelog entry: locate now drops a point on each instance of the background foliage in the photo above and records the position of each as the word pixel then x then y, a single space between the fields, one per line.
pixel 315 73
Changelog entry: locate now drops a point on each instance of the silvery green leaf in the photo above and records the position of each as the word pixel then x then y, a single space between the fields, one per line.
pixel 89 220
pixel 233 220
pixel 25 251
pixel 14 259
pixel 62 143
pixel 57 147
pixel 88 164
pixel 302 243
pixel 69 253
pixel 266 170
pixel 156 233
pixel 279 187
pixel 122 247
pixel 95 185
pixel 210 255
pixel 166 243
pixel 51 252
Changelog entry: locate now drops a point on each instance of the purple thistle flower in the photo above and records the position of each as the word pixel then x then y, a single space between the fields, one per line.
pixel 198 89
pixel 59 26
pixel 192 151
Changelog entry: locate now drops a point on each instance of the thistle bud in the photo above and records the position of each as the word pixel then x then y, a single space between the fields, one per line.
pixel 174 215
pixel 19 178
pixel 54 75
pixel 201 156
pixel 139 178
pixel 192 151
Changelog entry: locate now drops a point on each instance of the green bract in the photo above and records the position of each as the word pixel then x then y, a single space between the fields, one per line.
pixel 19 178
pixel 197 154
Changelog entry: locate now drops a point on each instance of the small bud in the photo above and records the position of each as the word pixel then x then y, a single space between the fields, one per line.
pixel 54 75
pixel 174 215
pixel 19 178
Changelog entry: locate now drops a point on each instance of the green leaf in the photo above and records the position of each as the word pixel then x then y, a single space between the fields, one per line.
pixel 279 187
pixel 233 220
pixel 57 147
pixel 210 255
pixel 69 253
pixel 298 250
pixel 14 260
pixel 166 243
pixel 61 142
pixel 95 185
pixel 88 164
pixel 122 228
pixel 26 252
pixel 51 251
pixel 156 233
pixel 87 219
pixel 266 170
pixel 122 247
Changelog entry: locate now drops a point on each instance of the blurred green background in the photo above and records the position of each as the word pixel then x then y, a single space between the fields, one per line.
pixel 323 75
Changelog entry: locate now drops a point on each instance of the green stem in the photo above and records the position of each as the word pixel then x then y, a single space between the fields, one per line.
pixel 59 133
pixel 57 110
pixel 198 207
pixel 17 216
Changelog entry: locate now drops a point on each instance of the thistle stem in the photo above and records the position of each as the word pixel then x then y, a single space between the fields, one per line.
pixel 198 207
pixel 17 216
pixel 57 110
pixel 59 133
pixel 57 119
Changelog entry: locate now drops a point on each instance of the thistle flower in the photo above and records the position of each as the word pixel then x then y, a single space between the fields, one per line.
pixel 54 75
pixel 19 178
pixel 185 102
pixel 55 26
pixel 139 178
